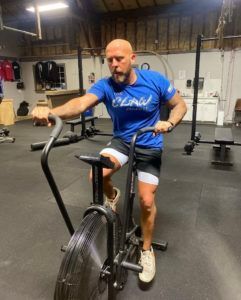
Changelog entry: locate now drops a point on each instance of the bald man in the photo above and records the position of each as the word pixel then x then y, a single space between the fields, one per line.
pixel 132 98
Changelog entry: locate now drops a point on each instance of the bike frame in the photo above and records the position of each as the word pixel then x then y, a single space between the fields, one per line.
pixel 129 228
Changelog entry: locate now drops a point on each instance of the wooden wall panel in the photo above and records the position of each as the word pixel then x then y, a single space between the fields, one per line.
pixel 197 28
pixel 228 31
pixel 236 19
pixel 185 33
pixel 210 20
pixel 151 34
pixel 108 34
pixel 120 29
pixel 165 32
pixel 131 33
pixel 173 33
pixel 103 34
pixel 113 29
pixel 162 33
pixel 36 52
pixel 140 35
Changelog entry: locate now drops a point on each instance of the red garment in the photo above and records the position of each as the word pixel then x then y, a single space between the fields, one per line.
pixel 8 70
pixel 2 75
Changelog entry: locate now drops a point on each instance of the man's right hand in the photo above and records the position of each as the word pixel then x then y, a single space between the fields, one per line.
pixel 40 115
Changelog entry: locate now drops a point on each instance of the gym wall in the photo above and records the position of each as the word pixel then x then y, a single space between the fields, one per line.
pixel 181 66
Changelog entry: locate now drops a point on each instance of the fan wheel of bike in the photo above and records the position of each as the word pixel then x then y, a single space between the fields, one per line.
pixel 81 274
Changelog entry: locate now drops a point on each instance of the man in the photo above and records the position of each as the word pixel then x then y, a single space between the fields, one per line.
pixel 132 98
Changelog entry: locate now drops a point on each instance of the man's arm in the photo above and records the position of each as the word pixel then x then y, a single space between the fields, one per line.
pixel 70 109
pixel 178 111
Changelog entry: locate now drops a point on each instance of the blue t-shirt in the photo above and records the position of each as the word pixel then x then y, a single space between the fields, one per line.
pixel 132 107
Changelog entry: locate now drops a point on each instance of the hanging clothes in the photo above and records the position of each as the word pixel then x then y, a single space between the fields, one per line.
pixel 16 70
pixel 1 88
pixel 2 74
pixel 52 71
pixel 8 70
pixel 40 72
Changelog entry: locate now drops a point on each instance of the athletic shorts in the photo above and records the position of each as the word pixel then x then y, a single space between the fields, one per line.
pixel 148 161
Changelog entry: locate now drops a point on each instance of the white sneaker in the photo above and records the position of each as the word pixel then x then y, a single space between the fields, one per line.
pixel 112 202
pixel 147 261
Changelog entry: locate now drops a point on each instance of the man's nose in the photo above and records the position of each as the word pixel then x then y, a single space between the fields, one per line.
pixel 114 63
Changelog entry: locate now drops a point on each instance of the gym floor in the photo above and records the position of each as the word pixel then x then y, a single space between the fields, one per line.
pixel 199 214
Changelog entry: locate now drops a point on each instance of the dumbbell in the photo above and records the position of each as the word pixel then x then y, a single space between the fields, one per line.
pixel 90 131
pixel 72 136
pixel 188 148
pixel 197 136
pixel 69 137
pixel 4 132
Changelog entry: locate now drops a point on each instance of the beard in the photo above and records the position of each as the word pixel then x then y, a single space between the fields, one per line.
pixel 120 77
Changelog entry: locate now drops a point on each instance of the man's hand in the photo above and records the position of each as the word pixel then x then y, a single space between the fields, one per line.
pixel 40 115
pixel 162 127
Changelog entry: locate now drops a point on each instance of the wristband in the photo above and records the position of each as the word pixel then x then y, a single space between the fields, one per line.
pixel 171 123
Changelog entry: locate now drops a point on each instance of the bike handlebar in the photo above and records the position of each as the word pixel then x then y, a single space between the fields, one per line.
pixel 152 128
pixel 141 131
pixel 44 162
pixel 58 126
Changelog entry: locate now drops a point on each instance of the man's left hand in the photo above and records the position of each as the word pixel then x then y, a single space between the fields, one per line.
pixel 162 127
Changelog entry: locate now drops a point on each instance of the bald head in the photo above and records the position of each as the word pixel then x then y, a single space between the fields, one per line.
pixel 119 44
pixel 120 58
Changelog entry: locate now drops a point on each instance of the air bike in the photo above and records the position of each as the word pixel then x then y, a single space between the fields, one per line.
pixel 103 248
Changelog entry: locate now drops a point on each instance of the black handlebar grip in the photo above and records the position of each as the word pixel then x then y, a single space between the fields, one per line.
pixel 152 128
pixel 58 126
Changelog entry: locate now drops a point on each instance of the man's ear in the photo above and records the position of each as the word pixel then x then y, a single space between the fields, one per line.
pixel 133 58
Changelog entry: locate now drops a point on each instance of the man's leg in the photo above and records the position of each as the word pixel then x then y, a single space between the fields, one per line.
pixel 147 193
pixel 148 214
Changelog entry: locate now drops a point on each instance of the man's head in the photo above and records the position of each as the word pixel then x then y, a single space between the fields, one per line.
pixel 120 57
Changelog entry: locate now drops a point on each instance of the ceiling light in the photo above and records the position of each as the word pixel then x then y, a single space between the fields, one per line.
pixel 48 7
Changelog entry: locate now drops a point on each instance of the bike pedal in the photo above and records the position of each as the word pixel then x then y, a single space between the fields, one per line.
pixel 162 245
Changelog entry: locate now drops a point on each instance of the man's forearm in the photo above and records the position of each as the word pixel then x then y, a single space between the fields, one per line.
pixel 177 113
pixel 70 109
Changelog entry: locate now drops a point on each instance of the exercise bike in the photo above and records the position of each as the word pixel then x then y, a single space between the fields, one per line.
pixel 102 249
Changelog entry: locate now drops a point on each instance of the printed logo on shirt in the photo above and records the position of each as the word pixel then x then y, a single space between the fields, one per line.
pixel 170 88
pixel 141 103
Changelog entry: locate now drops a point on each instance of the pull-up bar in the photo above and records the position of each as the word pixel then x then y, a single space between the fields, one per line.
pixel 17 30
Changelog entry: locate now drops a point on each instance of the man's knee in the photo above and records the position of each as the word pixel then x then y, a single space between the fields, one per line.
pixel 147 201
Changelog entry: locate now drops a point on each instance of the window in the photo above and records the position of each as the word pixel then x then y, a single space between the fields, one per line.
pixel 61 83
pixel 49 76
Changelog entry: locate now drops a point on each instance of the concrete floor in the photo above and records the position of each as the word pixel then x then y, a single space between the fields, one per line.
pixel 199 214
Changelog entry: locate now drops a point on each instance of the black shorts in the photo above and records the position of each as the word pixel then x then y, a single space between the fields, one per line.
pixel 148 161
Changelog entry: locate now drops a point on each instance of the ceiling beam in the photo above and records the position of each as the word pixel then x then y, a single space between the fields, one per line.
pixel 138 3
pixel 105 5
pixel 122 5
pixel 176 8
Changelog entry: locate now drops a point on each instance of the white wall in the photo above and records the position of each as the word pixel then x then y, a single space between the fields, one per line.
pixel 178 67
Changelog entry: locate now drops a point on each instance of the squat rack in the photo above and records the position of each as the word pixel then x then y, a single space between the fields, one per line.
pixel 201 39
pixel 223 136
